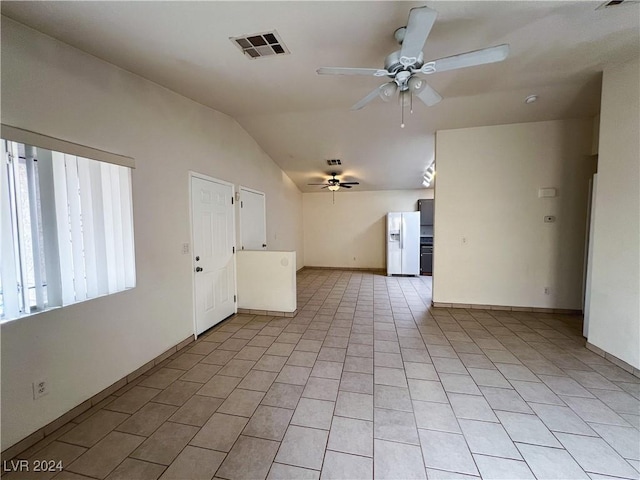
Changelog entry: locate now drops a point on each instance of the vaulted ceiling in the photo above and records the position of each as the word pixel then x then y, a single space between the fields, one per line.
pixel 557 51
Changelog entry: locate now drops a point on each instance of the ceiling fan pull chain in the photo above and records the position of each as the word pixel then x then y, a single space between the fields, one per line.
pixel 402 110
pixel 411 101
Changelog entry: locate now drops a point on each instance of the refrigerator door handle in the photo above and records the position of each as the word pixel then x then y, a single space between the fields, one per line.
pixel 401 233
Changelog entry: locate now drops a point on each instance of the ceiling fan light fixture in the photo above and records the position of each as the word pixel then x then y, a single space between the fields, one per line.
pixel 387 91
pixel 334 188
pixel 416 84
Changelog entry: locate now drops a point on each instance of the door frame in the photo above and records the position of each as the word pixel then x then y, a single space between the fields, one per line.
pixel 208 178
pixel 240 189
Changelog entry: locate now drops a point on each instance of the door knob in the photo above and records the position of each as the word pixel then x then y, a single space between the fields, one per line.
pixel 264 245
pixel 198 258
pixel 198 269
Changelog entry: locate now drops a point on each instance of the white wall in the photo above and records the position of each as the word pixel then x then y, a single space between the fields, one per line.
pixel 51 88
pixel 351 232
pixel 491 244
pixel 614 323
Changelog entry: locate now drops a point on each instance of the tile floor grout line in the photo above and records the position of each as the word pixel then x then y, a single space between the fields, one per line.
pixel 572 456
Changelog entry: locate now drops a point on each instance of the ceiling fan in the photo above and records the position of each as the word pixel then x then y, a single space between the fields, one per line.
pixel 334 184
pixel 405 66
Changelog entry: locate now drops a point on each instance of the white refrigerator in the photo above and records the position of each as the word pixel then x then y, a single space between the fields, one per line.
pixel 403 243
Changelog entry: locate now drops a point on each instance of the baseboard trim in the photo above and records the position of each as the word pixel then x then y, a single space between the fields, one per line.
pixel 348 269
pixel 613 359
pixel 505 308
pixel 270 313
pixel 60 425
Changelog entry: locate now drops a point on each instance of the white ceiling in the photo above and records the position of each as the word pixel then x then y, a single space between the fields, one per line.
pixel 300 119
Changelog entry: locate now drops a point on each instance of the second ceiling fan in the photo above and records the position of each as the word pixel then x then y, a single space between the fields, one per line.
pixel 334 184
pixel 404 67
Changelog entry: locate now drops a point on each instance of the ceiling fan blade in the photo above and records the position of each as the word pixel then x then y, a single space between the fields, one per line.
pixel 421 21
pixel 375 72
pixel 470 59
pixel 429 96
pixel 371 96
pixel 317 184
pixel 326 186
pixel 342 184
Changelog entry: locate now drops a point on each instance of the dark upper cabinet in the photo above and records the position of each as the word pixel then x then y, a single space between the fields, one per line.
pixel 426 211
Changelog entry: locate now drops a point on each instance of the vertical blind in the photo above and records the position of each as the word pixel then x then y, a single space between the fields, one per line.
pixel 66 229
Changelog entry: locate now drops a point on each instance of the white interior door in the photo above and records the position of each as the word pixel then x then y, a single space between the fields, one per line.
pixel 213 251
pixel 253 222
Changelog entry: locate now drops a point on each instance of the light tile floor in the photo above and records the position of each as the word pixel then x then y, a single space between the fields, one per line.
pixel 367 381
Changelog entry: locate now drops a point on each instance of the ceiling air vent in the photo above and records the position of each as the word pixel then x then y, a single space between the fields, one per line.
pixel 617 3
pixel 260 44
pixel 334 161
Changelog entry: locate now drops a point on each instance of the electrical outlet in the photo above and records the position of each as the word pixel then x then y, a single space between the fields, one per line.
pixel 40 388
pixel 185 248
pixel 547 291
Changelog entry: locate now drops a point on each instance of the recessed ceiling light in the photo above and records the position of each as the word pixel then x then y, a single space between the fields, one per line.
pixel 531 99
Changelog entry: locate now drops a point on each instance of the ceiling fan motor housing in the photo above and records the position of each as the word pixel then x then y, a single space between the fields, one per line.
pixel 393 65
pixel 399 34
pixel 333 180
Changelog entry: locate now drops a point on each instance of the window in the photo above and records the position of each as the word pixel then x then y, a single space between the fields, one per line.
pixel 66 229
